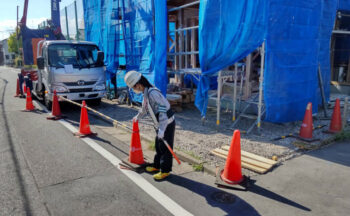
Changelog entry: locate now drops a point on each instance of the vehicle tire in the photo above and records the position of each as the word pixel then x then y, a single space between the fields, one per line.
pixel 95 102
pixel 47 102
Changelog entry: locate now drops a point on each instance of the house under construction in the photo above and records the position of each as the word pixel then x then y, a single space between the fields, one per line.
pixel 265 56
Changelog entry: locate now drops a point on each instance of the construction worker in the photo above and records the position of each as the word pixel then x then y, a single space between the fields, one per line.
pixel 158 107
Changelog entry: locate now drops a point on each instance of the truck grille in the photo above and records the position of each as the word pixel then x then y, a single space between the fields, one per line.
pixel 76 83
pixel 81 90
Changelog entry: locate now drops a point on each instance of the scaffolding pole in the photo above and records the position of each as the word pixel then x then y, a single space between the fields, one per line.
pixel 261 79
pixel 234 94
pixel 218 99
pixel 76 21
pixel 65 9
pixel 183 6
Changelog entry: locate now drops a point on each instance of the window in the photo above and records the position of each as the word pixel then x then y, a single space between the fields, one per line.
pixel 78 55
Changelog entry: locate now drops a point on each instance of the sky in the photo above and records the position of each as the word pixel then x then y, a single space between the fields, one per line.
pixel 38 11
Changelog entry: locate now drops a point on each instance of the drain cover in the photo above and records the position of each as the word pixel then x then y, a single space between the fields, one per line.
pixel 223 197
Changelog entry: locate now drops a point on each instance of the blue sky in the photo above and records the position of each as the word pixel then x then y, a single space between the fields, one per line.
pixel 38 10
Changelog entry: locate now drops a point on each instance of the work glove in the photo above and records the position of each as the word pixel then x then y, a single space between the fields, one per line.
pixel 160 134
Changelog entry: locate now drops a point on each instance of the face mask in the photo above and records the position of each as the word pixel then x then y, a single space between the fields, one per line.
pixel 136 91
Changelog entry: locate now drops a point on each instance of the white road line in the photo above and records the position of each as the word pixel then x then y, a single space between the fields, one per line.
pixel 152 191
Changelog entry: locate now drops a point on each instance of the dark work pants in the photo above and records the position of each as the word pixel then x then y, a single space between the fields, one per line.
pixel 163 158
pixel 21 80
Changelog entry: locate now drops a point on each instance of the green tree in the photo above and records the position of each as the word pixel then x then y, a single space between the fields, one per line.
pixel 13 44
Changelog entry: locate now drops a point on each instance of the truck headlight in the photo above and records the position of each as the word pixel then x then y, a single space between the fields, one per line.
pixel 100 87
pixel 59 89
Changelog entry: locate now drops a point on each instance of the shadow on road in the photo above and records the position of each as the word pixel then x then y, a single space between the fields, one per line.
pixel 271 195
pixel 238 207
pixel 22 185
pixel 99 139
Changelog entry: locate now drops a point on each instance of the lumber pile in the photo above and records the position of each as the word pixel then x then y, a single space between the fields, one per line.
pixel 249 160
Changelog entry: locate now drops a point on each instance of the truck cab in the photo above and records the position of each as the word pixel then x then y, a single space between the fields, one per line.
pixel 74 69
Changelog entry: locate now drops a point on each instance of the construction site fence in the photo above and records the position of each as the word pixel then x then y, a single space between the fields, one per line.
pixel 72 21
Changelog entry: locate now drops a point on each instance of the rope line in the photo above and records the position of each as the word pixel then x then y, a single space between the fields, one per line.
pixel 115 122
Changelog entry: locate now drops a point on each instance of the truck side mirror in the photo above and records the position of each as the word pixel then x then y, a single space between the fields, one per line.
pixel 40 62
pixel 100 58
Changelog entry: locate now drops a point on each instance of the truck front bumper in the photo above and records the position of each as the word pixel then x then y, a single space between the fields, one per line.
pixel 80 95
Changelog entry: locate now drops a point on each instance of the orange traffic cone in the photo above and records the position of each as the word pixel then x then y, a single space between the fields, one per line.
pixel 84 128
pixel 232 173
pixel 18 91
pixel 29 102
pixel 336 126
pixel 230 176
pixel 135 154
pixel 56 111
pixel 306 126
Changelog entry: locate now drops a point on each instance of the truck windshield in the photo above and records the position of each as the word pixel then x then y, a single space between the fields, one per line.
pixel 80 56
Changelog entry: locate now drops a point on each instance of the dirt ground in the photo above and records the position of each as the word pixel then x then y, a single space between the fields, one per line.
pixel 196 139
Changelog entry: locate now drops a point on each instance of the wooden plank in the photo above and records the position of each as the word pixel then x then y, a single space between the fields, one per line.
pixel 254 168
pixel 256 163
pixel 244 165
pixel 218 154
pixel 253 156
pixel 247 160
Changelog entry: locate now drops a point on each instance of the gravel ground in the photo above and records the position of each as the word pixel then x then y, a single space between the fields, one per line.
pixel 197 139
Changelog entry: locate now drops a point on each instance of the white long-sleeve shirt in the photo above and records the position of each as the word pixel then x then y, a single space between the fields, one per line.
pixel 159 105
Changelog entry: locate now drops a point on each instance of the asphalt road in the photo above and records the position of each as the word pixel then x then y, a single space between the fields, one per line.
pixel 45 170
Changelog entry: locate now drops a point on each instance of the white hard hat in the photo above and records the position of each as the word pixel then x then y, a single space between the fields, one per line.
pixel 131 78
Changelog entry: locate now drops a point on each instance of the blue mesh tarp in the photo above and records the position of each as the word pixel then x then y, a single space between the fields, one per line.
pixel 344 5
pixel 125 31
pixel 161 24
pixel 297 37
pixel 328 15
pixel 228 31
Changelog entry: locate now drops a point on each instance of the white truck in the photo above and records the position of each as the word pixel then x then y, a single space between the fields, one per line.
pixel 75 69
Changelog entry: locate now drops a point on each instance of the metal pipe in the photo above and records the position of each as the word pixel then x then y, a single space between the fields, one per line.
pixel 241 89
pixel 234 94
pixel 185 29
pixel 181 38
pixel 218 104
pixel 340 32
pixel 320 84
pixel 261 79
pixel 76 21
pixel 184 53
pixel 184 6
pixel 67 23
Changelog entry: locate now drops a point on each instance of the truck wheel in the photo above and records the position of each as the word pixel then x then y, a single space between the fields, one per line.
pixel 47 103
pixel 95 102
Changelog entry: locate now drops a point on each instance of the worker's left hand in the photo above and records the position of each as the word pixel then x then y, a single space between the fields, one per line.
pixel 160 134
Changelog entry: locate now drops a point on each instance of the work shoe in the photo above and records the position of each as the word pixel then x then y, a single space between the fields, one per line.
pixel 151 169
pixel 160 176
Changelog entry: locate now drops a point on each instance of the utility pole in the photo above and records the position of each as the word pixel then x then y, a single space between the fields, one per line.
pixel 17 31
